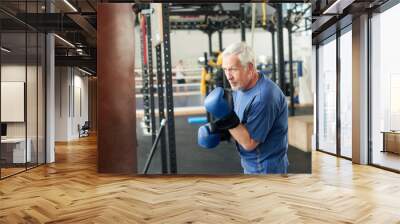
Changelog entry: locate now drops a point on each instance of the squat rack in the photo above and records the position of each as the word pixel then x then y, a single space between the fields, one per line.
pixel 168 157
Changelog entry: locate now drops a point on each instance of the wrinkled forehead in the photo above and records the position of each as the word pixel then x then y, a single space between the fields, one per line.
pixel 231 60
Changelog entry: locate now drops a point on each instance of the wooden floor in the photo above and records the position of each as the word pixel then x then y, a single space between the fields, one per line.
pixel 10 171
pixel 71 191
pixel 387 159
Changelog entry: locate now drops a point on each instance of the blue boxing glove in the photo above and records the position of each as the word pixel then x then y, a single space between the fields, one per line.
pixel 217 103
pixel 206 138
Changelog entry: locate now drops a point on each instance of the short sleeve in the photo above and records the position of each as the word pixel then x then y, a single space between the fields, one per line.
pixel 260 119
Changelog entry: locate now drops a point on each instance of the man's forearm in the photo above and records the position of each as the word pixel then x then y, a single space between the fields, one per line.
pixel 242 136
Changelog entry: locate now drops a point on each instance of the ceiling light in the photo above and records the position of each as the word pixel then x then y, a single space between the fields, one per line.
pixel 65 41
pixel 337 7
pixel 5 50
pixel 84 71
pixel 79 51
pixel 70 5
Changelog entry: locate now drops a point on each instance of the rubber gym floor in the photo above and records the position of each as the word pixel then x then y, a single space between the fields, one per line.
pixel 192 159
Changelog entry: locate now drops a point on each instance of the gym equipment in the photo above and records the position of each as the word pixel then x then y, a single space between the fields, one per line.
pixel 154 147
pixel 197 120
pixel 203 88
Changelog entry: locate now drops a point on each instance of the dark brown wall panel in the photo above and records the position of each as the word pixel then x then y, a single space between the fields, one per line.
pixel 116 89
pixel 93 103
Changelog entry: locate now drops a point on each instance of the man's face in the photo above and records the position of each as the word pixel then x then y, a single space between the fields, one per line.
pixel 237 75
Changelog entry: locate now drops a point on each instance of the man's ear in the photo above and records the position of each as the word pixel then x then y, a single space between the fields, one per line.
pixel 250 66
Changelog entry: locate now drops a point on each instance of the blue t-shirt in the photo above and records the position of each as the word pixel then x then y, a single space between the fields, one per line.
pixel 263 111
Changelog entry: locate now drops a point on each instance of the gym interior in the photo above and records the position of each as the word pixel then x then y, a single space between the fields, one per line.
pixel 101 103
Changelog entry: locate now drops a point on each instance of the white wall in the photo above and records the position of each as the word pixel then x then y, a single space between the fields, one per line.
pixel 12 73
pixel 81 96
pixel 71 94
pixel 61 103
pixel 190 45
pixel 33 126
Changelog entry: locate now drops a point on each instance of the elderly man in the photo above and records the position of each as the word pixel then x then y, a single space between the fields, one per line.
pixel 258 121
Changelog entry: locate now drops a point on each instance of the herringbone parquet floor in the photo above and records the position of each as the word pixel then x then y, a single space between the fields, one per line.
pixel 71 191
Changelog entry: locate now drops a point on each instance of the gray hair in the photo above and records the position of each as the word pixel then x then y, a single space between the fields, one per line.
pixel 244 53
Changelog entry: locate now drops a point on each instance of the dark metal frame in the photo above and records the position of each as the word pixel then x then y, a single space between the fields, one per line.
pixel 338 99
pixel 289 27
pixel 316 97
pixel 208 87
pixel 154 146
pixel 242 22
pixel 145 76
pixel 37 91
pixel 151 77
pixel 26 91
pixel 369 78
pixel 280 45
pixel 161 114
pixel 213 25
pixel 169 90
pixel 209 42
pixel 220 40
pixel 273 31
pixel 45 89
